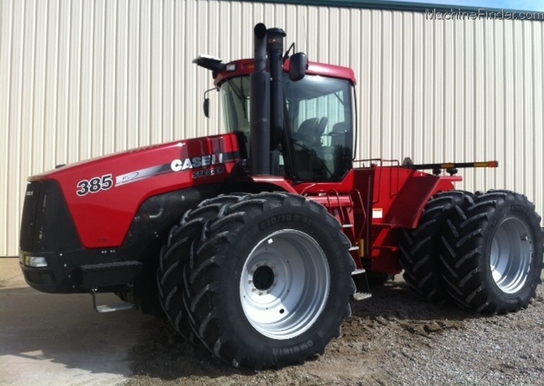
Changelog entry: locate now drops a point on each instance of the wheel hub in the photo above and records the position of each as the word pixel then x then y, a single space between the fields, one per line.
pixel 284 284
pixel 263 278
pixel 511 255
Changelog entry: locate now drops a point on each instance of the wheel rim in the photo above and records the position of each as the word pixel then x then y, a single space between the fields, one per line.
pixel 284 284
pixel 511 255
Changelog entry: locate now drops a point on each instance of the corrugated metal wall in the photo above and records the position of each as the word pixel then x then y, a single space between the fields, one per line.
pixel 84 78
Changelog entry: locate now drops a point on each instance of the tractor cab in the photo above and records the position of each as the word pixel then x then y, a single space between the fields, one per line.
pixel 314 140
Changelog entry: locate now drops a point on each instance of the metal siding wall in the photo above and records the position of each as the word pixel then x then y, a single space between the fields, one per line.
pixel 80 79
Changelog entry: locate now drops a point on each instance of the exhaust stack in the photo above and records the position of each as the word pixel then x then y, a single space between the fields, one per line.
pixel 266 103
pixel 260 106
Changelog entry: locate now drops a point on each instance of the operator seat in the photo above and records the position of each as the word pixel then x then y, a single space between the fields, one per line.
pixel 308 154
pixel 339 133
pixel 307 131
pixel 339 155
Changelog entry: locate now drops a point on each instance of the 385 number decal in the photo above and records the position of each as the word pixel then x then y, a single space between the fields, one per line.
pixel 94 185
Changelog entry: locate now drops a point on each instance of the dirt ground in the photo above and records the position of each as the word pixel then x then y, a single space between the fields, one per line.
pixel 393 338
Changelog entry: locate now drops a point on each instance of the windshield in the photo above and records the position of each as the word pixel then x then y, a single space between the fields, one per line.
pixel 235 97
pixel 318 119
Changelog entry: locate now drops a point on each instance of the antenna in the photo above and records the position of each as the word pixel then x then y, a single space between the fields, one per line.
pixel 286 56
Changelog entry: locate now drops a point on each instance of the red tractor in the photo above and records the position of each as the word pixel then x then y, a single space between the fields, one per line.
pixel 251 242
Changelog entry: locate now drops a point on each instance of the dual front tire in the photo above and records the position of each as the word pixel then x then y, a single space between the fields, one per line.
pixel 265 283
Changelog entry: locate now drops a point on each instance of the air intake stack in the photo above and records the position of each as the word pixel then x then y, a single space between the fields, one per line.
pixel 266 99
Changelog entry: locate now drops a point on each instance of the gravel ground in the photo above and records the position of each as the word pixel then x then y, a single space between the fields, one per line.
pixel 393 338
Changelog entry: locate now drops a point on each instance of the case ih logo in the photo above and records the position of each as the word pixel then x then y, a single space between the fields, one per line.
pixel 178 165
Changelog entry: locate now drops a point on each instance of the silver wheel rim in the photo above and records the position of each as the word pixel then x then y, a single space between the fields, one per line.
pixel 511 255
pixel 284 284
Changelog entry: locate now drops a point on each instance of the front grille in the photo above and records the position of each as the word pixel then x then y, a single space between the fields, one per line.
pixel 46 224
pixel 28 224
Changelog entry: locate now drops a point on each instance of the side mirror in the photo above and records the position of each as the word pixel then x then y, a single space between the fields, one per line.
pixel 206 104
pixel 206 107
pixel 298 65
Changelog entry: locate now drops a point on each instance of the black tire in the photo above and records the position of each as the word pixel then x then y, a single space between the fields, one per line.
pixel 175 254
pixel 492 253
pixel 420 247
pixel 270 282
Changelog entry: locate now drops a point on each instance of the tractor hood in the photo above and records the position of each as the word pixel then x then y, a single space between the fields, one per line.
pixel 103 194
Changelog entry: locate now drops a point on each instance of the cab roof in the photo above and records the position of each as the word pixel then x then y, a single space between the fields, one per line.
pixel 245 67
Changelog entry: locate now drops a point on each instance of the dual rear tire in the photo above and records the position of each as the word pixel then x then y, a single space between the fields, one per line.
pixel 484 252
pixel 492 253
pixel 420 247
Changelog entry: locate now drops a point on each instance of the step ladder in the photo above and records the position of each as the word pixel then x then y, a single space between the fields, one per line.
pixel 109 308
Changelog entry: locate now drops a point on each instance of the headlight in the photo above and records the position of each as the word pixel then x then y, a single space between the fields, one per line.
pixel 35 261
